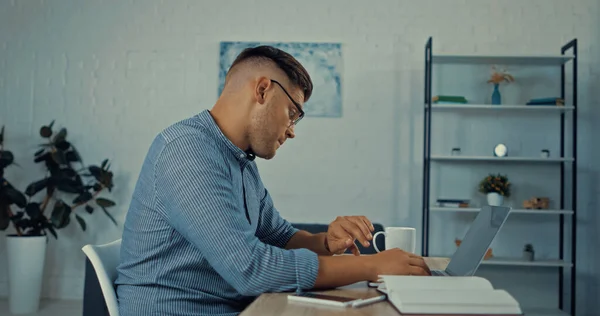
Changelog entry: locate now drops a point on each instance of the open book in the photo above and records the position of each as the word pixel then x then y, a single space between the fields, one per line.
pixel 441 295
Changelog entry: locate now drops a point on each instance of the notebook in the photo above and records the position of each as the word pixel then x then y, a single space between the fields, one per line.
pixel 461 295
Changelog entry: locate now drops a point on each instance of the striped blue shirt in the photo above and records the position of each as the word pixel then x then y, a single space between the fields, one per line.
pixel 202 236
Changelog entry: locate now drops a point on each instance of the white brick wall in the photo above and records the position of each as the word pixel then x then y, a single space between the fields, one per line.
pixel 117 72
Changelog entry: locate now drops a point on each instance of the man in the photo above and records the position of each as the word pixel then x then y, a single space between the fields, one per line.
pixel 202 236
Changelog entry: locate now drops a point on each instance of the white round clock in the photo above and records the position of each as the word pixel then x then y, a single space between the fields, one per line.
pixel 500 150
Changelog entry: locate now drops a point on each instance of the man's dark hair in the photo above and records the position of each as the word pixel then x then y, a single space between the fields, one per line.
pixel 286 62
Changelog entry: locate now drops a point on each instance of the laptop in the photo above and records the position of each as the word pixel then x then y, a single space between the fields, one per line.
pixel 479 237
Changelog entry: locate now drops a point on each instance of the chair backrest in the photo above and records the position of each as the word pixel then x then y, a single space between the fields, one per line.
pixel 316 228
pixel 105 259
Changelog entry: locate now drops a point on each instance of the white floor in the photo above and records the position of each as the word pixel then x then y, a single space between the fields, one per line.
pixel 50 308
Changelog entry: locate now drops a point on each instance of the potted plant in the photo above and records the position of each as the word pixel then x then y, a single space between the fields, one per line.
pixel 528 252
pixel 32 221
pixel 497 78
pixel 496 187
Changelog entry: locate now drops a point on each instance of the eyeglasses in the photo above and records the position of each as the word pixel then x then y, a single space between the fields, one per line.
pixel 294 117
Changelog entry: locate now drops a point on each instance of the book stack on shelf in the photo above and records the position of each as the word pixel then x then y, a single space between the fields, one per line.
pixel 449 99
pixel 464 203
pixel 546 101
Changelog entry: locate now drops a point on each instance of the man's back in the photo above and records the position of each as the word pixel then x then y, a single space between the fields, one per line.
pixel 201 235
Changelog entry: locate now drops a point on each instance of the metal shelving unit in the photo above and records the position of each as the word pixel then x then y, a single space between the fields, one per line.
pixel 559 60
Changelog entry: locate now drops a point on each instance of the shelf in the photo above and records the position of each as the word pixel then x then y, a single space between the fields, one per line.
pixel 544 312
pixel 545 108
pixel 531 60
pixel 513 211
pixel 501 159
pixel 519 262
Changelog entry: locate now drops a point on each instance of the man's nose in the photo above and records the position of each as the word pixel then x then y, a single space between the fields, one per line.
pixel 290 132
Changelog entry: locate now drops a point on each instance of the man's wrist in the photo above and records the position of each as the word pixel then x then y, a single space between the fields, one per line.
pixel 326 245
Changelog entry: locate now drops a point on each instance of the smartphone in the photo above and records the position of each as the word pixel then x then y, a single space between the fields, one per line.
pixel 311 297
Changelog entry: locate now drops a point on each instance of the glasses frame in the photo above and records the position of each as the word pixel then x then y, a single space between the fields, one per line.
pixel 294 122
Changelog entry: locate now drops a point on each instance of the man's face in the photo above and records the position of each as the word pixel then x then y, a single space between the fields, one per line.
pixel 272 122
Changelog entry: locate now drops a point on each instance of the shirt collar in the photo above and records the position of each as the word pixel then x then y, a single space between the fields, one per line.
pixel 207 120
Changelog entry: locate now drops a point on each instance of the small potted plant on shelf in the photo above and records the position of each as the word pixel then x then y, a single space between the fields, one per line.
pixel 33 221
pixel 497 78
pixel 528 252
pixel 496 187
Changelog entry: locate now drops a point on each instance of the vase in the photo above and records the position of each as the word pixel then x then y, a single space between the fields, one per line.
pixel 528 255
pixel 495 199
pixel 496 98
pixel 26 256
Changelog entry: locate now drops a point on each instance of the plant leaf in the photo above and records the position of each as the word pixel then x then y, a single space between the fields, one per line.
pixel 96 172
pixel 60 214
pixel 6 158
pixel 60 136
pixel 81 222
pixel 68 186
pixel 42 157
pixel 2 135
pixel 89 209
pixel 59 157
pixel 52 231
pixel 68 173
pixel 109 216
pixel 33 210
pixel 83 198
pixel 104 163
pixel 75 154
pixel 46 131
pixel 105 202
pixel 15 196
pixel 63 145
pixel 17 216
pixel 36 187
pixel 4 219
pixel 39 152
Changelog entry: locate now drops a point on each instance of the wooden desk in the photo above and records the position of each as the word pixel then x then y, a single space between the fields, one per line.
pixel 277 303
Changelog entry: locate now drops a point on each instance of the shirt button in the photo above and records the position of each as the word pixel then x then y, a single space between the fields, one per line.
pixel 242 155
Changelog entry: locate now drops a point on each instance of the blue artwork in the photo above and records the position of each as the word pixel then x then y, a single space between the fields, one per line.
pixel 323 61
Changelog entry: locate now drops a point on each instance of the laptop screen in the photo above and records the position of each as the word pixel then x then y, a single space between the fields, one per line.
pixel 476 242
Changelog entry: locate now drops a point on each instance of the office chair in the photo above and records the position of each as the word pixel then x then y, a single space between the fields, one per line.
pixel 105 259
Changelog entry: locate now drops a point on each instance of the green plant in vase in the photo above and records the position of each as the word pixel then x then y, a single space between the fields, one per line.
pixel 496 187
pixel 66 189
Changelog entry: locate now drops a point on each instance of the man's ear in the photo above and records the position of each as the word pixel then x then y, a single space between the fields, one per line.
pixel 262 84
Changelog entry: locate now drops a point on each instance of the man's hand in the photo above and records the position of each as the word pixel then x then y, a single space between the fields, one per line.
pixel 397 262
pixel 344 230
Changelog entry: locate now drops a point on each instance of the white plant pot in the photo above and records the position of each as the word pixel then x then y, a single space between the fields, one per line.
pixel 528 255
pixel 495 199
pixel 26 257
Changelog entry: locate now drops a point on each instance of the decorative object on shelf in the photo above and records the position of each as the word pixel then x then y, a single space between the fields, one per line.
pixel 488 254
pixel 26 250
pixel 463 203
pixel 545 153
pixel 496 187
pixel 449 99
pixel 500 150
pixel 547 101
pixel 537 203
pixel 497 78
pixel 455 151
pixel 528 252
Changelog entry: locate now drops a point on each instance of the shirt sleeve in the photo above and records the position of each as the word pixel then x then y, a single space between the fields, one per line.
pixel 272 228
pixel 194 186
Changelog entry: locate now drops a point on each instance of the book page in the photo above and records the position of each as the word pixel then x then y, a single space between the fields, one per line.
pixel 454 302
pixel 398 282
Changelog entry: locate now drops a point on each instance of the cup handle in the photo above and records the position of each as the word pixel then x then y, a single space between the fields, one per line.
pixel 374 243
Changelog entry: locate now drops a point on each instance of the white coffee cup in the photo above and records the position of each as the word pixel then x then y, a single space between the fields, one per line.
pixel 404 238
